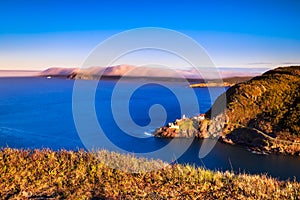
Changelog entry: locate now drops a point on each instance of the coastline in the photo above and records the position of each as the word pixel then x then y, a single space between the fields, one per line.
pixel 224 82
pixel 211 84
pixel 228 133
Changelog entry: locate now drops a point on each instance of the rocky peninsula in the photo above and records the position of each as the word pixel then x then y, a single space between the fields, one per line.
pixel 262 114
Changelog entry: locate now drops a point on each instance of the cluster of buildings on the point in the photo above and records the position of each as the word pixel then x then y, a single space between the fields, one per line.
pixel 177 122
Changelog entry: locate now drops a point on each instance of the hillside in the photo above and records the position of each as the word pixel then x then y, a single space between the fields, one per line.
pixel 58 72
pixel 46 174
pixel 268 104
pixel 262 113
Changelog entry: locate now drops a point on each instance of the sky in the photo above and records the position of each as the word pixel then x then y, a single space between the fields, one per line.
pixel 37 35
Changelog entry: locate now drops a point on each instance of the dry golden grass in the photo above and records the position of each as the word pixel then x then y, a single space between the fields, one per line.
pixel 42 174
pixel 269 103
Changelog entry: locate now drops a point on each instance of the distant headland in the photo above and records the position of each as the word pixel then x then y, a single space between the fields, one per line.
pixel 207 77
pixel 224 82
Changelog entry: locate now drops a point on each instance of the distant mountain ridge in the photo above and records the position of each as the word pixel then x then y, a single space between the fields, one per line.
pixel 131 71
pixel 94 73
pixel 57 71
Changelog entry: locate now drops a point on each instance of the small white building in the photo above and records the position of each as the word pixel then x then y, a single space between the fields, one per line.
pixel 201 117
pixel 171 125
pixel 174 126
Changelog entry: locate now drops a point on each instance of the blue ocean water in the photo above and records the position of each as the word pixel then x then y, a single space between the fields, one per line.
pixel 37 113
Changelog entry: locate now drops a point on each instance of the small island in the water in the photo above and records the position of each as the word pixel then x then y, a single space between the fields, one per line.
pixel 262 114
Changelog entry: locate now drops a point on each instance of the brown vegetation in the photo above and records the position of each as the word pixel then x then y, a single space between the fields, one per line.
pixel 46 174
pixel 270 106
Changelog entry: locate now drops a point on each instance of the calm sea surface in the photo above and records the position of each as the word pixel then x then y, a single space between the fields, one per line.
pixel 37 113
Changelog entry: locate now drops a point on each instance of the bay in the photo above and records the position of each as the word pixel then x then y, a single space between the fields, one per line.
pixel 37 113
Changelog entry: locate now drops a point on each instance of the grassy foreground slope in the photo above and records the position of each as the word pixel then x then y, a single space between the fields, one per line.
pixel 44 174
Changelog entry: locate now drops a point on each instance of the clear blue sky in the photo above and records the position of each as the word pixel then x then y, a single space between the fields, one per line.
pixel 41 34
